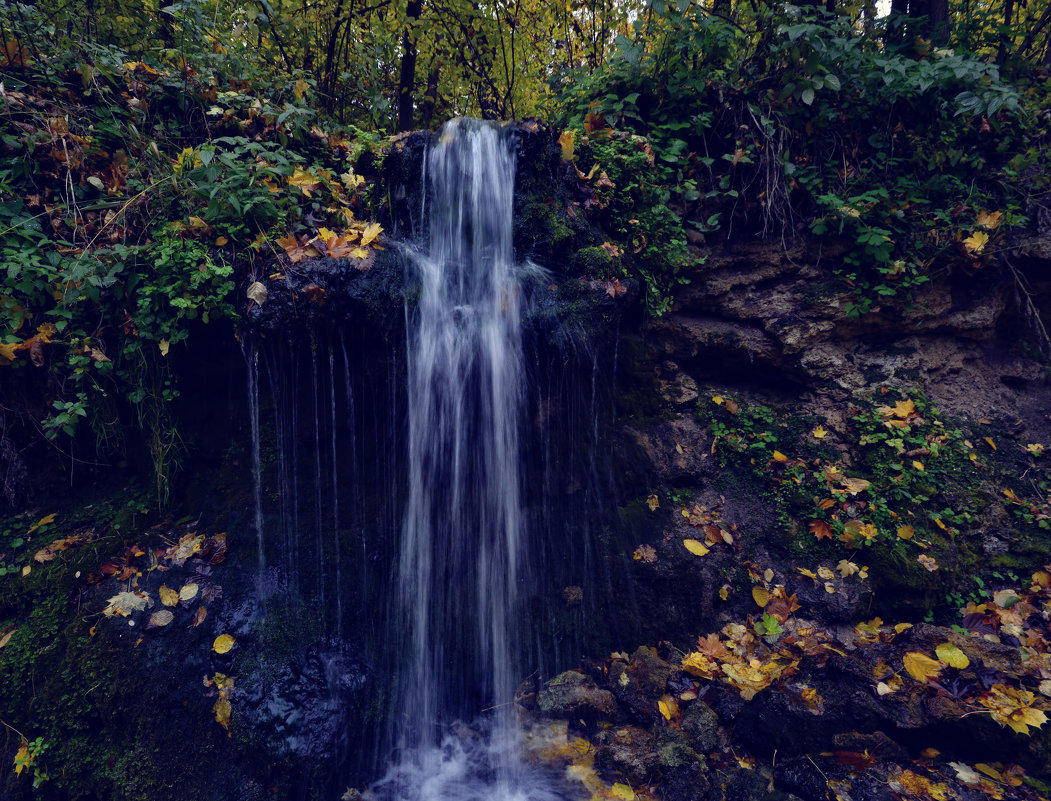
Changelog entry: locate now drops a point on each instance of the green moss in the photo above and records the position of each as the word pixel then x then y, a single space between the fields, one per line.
pixel 596 262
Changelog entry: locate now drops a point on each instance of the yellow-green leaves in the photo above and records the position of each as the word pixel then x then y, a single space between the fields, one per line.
pixel 952 656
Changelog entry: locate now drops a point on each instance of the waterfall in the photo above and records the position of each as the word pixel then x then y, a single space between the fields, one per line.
pixel 425 496
pixel 463 553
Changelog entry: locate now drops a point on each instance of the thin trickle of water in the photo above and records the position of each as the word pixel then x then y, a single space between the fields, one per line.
pixel 252 365
pixel 463 546
pixel 333 438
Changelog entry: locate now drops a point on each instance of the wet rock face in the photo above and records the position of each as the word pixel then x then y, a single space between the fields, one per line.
pixel 573 695
pixel 759 307
pixel 310 708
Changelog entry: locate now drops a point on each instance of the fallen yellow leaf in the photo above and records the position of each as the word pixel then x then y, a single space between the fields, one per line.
pixel 223 643
pixel 760 595
pixel 952 656
pixel 976 242
pixel 921 667
pixel 695 547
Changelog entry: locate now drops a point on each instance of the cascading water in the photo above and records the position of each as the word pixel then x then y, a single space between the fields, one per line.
pixel 463 547
pixel 445 471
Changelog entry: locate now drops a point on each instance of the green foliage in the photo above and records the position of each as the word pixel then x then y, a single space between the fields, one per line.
pixel 136 197
pixel 631 204
pixel 888 153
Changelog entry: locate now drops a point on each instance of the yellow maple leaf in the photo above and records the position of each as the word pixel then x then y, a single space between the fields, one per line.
pixel 819 432
pixel 305 182
pixel 653 502
pixel 904 408
pixel 300 88
pixel 372 230
pixel 8 350
pixel 847 568
pixel 921 667
pixel 621 792
pixel 1013 708
pixel 976 242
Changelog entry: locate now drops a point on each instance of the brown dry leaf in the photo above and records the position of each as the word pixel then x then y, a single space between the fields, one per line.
pixel 8 633
pixel 989 219
pixel 668 707
pixel 855 485
pixel 928 562
pixel 187 546
pixel 49 552
pixel 921 667
pixel 820 529
pixel 257 292
pixel 160 618
pixel 223 711
pixel 199 616
pixel 645 553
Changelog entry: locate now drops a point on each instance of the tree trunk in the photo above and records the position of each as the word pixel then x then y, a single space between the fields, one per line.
pixel 407 77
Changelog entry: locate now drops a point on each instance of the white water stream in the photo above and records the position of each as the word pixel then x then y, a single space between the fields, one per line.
pixel 463 553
